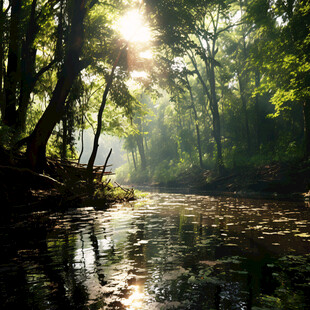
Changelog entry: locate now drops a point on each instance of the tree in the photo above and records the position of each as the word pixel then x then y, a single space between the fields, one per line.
pixel 193 30
pixel 72 65
pixel 11 77
pixel 100 112
pixel 26 23
pixel 282 53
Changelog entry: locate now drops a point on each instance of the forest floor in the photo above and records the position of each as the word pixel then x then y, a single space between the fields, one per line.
pixel 287 180
pixel 63 184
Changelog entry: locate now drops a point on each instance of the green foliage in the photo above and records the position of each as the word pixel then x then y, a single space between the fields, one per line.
pixel 257 52
pixel 108 192
pixel 6 135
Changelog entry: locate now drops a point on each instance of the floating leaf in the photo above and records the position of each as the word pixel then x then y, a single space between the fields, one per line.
pixel 210 263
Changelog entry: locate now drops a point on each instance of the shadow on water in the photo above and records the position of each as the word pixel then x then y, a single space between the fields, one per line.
pixel 167 251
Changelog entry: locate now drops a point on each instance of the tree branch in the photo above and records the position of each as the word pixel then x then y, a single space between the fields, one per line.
pixel 43 70
pixel 199 75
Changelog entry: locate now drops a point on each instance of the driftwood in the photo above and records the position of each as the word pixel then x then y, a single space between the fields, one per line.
pixel 74 171
pixel 64 183
pixel 130 193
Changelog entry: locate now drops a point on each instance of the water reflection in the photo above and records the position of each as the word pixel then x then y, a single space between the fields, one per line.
pixel 170 251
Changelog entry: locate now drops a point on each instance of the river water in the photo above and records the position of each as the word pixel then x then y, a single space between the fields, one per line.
pixel 166 251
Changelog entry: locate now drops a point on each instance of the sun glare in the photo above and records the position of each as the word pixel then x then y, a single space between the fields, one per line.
pixel 135 300
pixel 147 54
pixel 133 27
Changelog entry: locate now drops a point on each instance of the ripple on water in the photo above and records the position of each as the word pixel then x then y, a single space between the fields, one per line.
pixel 168 250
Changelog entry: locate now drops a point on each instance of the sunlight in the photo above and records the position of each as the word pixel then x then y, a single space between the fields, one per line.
pixel 135 300
pixel 139 74
pixel 133 27
pixel 147 54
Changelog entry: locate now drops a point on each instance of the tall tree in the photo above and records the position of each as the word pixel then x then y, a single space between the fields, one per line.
pixel 72 65
pixel 194 29
pixel 11 77
pixel 3 21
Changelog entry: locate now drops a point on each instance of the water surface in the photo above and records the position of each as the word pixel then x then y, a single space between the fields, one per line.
pixel 167 251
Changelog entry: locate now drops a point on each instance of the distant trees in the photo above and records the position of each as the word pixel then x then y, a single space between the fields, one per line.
pixel 236 77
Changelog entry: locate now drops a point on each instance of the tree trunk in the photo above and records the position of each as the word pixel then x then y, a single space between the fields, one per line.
pixel 210 69
pixel 2 19
pixel 28 58
pixel 93 155
pixel 257 112
pixel 140 144
pixel 245 112
pixel 216 119
pixel 82 139
pixel 146 144
pixel 9 114
pixel 64 138
pixel 38 139
pixel 134 160
pixel 306 112
pixel 196 123
pixel 28 75
pixel 141 151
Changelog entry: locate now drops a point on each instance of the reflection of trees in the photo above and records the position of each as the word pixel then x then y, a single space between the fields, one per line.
pixel 166 253
pixel 44 278
pixel 98 263
pixel 291 288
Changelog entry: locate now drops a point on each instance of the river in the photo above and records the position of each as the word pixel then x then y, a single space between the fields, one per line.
pixel 165 251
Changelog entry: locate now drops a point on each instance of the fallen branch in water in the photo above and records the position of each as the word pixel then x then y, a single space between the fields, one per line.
pixel 130 192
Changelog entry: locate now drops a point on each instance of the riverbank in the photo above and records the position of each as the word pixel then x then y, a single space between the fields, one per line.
pixel 287 180
pixel 63 184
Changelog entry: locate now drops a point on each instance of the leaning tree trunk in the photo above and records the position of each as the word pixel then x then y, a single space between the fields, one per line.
pixel 93 155
pixel 38 139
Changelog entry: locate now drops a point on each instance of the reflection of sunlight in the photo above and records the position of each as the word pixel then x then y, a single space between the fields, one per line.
pixel 135 300
pixel 133 27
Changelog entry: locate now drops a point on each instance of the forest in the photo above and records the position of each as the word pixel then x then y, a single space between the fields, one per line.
pixel 202 202
pixel 205 94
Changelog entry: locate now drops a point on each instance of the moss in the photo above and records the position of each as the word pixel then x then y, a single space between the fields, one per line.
pixel 109 192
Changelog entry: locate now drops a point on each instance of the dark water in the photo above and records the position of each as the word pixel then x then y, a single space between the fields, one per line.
pixel 167 251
